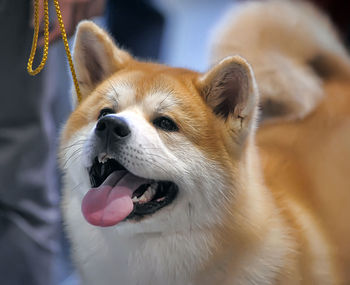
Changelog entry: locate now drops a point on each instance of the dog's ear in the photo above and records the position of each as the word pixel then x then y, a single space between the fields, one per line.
pixel 230 90
pixel 95 56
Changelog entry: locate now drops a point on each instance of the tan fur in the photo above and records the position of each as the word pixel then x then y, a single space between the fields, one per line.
pixel 283 40
pixel 282 216
pixel 306 162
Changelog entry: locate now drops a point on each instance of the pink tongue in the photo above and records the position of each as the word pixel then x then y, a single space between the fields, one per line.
pixel 110 203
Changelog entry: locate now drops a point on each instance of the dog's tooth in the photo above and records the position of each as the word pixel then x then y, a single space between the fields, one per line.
pixel 148 195
pixel 143 198
pixel 152 191
pixel 101 157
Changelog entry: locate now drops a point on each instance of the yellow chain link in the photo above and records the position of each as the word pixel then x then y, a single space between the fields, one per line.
pixel 46 42
pixel 35 38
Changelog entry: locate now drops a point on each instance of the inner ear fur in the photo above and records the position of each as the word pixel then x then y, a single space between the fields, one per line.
pixel 229 88
pixel 95 56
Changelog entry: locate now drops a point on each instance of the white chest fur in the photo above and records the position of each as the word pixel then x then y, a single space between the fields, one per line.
pixel 110 256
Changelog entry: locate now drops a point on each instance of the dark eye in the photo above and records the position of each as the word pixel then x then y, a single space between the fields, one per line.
pixel 105 111
pixel 166 124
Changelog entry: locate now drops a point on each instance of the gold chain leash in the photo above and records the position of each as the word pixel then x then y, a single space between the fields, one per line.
pixel 46 42
pixel 35 38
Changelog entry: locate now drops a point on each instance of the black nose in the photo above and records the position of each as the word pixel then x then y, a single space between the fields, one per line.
pixel 112 127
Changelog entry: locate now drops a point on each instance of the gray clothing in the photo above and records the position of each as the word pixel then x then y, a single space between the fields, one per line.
pixel 29 212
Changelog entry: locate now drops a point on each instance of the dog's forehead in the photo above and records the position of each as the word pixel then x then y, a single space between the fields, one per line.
pixel 158 93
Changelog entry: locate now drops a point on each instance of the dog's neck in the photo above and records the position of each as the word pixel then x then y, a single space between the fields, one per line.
pixel 251 245
pixel 234 251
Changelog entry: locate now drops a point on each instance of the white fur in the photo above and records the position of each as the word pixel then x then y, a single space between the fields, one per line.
pixel 166 248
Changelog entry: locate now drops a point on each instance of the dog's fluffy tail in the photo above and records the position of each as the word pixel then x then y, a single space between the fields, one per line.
pixel 292 47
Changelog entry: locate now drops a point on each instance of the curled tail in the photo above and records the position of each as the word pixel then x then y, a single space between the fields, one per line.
pixel 292 47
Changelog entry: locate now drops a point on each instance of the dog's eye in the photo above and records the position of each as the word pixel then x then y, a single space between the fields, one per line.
pixel 166 124
pixel 105 111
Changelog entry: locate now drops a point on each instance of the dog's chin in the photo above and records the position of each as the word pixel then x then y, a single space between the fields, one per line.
pixel 148 199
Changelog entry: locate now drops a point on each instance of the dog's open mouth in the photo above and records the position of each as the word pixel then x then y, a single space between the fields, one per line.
pixel 117 194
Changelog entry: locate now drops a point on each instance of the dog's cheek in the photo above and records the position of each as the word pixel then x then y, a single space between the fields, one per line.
pixel 75 153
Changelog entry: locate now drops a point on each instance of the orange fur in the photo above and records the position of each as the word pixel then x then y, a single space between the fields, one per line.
pixel 308 162
pixel 283 219
pixel 305 162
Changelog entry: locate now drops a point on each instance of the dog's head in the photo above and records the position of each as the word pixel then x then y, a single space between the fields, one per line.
pixel 152 147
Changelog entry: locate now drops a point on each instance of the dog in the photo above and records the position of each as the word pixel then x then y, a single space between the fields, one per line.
pixel 173 177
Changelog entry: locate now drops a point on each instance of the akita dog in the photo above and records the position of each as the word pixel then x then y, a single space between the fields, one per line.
pixel 163 179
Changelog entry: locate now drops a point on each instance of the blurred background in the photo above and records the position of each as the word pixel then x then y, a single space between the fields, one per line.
pixel 33 249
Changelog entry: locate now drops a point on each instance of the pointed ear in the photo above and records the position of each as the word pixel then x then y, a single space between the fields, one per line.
pixel 229 88
pixel 95 56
